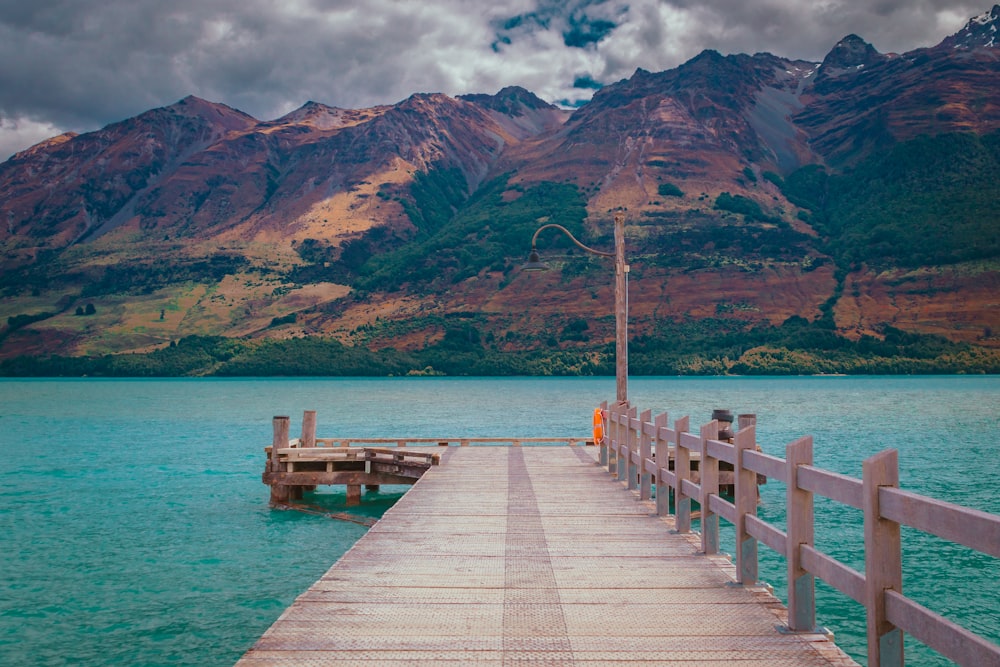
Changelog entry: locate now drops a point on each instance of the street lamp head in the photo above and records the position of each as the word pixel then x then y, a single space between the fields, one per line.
pixel 534 263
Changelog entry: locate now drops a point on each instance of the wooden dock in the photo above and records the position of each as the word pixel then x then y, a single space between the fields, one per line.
pixel 532 555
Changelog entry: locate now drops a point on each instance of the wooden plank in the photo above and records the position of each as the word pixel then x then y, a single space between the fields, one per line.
pixel 684 491
pixel 800 531
pixel 709 484
pixel 402 442
pixel 723 451
pixel 765 464
pixel 842 488
pixel 760 530
pixel 972 528
pixel 947 638
pixel 848 581
pixel 883 561
pixel 746 495
pixel 504 556
pixel 646 456
pixel 335 477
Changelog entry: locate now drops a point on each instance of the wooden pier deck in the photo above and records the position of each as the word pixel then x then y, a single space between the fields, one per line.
pixel 531 555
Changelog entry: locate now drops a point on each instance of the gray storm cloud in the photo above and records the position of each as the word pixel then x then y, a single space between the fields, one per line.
pixel 81 64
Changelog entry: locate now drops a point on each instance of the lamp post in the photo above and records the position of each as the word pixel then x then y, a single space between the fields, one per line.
pixel 621 295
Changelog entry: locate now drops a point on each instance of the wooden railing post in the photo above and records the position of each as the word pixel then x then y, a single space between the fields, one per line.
pixel 682 471
pixel 883 561
pixel 603 459
pixel 662 453
pixel 625 433
pixel 308 438
pixel 634 449
pixel 709 469
pixel 625 457
pixel 613 438
pixel 801 584
pixel 745 499
pixel 645 452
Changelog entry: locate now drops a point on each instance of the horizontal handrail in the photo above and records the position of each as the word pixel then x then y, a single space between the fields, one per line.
pixel 962 525
pixel 947 638
pixel 845 490
pixel 653 445
pixel 766 533
pixel 770 466
pixel 845 579
pixel 345 442
pixel 356 453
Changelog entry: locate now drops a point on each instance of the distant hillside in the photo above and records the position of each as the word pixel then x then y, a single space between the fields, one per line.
pixel 774 207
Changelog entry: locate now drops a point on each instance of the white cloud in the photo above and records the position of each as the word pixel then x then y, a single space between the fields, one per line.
pixel 18 134
pixel 80 65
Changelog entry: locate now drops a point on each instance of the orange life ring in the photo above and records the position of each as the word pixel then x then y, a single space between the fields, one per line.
pixel 598 426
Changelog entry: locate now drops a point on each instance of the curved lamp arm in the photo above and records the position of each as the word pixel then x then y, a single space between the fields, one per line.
pixel 572 238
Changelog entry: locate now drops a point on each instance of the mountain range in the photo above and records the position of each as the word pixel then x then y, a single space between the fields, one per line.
pixel 856 196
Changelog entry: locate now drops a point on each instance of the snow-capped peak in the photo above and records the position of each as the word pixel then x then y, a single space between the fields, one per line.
pixel 980 31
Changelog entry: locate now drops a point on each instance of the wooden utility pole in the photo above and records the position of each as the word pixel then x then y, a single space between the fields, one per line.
pixel 621 312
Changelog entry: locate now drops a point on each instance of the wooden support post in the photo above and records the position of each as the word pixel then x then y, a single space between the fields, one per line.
pixel 709 469
pixel 353 495
pixel 279 492
pixel 682 471
pixel 801 584
pixel 745 497
pixel 603 457
pixel 883 561
pixel 279 441
pixel 645 452
pixel 308 438
pixel 661 453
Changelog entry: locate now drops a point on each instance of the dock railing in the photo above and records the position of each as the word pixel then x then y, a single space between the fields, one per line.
pixel 639 448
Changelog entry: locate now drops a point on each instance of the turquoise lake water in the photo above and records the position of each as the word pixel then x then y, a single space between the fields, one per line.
pixel 135 530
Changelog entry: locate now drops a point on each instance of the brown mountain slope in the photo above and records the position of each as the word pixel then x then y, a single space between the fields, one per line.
pixel 196 218
pixel 863 101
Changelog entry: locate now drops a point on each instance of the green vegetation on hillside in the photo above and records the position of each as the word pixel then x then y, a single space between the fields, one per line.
pixel 669 190
pixel 436 196
pixel 689 238
pixel 928 201
pixel 488 232
pixel 744 206
pixel 125 277
pixel 705 347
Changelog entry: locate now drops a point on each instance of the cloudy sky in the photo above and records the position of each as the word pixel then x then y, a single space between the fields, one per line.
pixel 81 64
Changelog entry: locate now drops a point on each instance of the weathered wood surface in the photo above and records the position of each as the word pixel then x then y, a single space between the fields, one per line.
pixel 534 555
